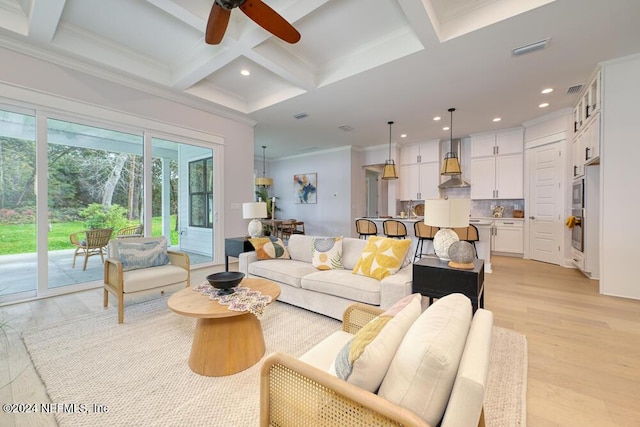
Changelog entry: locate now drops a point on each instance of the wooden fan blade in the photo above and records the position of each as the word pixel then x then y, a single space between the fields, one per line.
pixel 270 20
pixel 217 24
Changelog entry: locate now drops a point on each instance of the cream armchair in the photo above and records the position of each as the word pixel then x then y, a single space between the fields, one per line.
pixel 294 392
pixel 137 264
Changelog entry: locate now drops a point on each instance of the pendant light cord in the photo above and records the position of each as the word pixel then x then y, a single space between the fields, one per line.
pixel 264 161
pixel 389 123
pixel 451 110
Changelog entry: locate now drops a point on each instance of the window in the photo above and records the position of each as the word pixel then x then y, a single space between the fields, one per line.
pixel 201 193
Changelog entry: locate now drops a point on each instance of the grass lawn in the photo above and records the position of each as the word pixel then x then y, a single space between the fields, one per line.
pixel 21 239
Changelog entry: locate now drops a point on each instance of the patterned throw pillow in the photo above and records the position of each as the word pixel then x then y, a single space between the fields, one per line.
pixel 143 254
pixel 327 253
pixel 381 257
pixel 268 249
pixel 365 359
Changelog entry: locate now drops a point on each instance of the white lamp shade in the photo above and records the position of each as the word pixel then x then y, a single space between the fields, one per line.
pixel 447 213
pixel 252 210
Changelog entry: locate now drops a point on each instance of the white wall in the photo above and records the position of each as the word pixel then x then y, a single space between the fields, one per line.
pixel 74 88
pixel 620 178
pixel 331 215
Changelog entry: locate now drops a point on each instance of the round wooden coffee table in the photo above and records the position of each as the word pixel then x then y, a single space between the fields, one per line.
pixel 225 341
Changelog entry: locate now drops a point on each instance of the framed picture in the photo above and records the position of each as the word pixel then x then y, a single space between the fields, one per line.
pixel 305 187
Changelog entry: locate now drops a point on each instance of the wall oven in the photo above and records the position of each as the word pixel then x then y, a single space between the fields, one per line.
pixel 577 210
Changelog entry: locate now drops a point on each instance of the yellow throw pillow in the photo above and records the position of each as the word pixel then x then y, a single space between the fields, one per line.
pixel 327 253
pixel 381 257
pixel 269 249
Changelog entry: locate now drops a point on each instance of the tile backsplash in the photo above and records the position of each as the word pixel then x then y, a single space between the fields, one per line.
pixel 484 208
pixel 480 208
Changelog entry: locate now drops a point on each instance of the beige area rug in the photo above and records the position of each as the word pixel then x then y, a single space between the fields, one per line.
pixel 139 370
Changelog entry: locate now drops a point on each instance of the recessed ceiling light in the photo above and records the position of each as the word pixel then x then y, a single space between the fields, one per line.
pixel 497 119
pixel 543 105
pixel 245 72
pixel 547 90
pixel 445 128
pixel 436 118
pixel 404 135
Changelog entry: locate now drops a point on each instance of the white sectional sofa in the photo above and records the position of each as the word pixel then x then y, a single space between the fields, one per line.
pixel 328 292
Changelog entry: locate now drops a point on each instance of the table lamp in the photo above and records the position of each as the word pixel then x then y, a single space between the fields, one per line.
pixel 254 211
pixel 446 214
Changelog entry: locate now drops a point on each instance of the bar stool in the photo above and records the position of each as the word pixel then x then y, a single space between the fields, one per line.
pixel 468 234
pixel 423 232
pixel 393 228
pixel 366 228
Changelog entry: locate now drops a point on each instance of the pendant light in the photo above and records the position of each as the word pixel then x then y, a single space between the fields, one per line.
pixel 451 164
pixel 267 182
pixel 389 171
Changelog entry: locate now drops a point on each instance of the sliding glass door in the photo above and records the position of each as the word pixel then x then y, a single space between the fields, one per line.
pixel 94 191
pixel 18 210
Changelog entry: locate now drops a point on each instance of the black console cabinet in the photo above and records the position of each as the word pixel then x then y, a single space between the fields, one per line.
pixel 434 279
pixel 234 246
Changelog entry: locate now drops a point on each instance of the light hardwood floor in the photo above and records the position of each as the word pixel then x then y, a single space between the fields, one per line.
pixel 584 348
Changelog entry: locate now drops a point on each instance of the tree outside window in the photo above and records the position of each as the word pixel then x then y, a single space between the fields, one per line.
pixel 201 193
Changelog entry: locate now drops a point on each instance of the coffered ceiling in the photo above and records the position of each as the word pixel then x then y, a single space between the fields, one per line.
pixel 359 63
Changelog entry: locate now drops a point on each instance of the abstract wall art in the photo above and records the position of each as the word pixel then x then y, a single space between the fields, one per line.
pixel 305 187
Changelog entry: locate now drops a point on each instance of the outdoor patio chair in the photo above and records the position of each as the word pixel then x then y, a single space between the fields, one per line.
pixel 130 231
pixel 94 243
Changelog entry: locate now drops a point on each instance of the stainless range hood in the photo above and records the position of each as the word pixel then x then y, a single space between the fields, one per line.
pixel 455 181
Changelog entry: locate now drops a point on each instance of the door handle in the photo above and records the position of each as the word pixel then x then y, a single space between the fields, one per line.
pixel 532 217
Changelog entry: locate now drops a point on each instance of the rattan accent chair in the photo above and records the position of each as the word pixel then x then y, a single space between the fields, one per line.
pixel 292 391
pixel 366 228
pixel 131 231
pixel 394 229
pixel 423 232
pixel 94 243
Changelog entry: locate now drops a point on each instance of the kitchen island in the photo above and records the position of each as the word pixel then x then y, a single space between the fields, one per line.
pixel 483 246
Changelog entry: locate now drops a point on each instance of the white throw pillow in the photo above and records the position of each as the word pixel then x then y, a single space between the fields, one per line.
pixel 422 372
pixel 364 360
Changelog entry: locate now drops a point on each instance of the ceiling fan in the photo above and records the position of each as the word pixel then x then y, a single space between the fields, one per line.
pixel 257 10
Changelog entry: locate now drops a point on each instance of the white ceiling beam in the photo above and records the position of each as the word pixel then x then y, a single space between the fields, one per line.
pixel 44 18
pixel 279 62
pixel 181 13
pixel 423 21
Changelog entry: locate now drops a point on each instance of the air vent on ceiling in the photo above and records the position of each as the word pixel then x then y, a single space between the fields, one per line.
pixel 300 115
pixel 530 47
pixel 345 128
pixel 574 89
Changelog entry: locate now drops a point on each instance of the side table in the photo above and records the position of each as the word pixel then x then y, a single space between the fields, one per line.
pixel 234 246
pixel 434 279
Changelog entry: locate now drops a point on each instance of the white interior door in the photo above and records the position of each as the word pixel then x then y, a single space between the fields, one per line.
pixel 545 226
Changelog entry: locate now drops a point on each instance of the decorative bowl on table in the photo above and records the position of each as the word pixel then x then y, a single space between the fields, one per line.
pixel 225 281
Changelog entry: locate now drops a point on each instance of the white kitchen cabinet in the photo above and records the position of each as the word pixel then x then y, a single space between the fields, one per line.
pixel 588 104
pixel 419 171
pixel 586 146
pixel 492 144
pixel 423 152
pixel 508 236
pixel 419 181
pixel 497 177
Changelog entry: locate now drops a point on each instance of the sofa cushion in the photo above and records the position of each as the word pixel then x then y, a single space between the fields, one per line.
pixel 327 253
pixel 269 249
pixel 351 250
pixel 136 255
pixel 422 372
pixel 148 278
pixel 299 246
pixel 364 360
pixel 381 257
pixel 323 354
pixel 344 284
pixel 288 272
